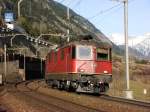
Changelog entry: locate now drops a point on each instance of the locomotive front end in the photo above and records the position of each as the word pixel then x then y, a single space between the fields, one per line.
pixel 94 68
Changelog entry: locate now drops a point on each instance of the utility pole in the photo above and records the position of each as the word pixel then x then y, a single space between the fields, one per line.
pixel 68 13
pixel 126 42
pixel 41 67
pixel 68 18
pixel 19 2
pixel 24 64
pixel 37 49
pixel 5 63
pixel 128 92
pixel 1 11
pixel 30 9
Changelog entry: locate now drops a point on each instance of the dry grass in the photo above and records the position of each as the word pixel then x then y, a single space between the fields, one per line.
pixel 139 80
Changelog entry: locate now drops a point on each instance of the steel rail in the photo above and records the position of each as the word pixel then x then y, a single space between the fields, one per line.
pixel 115 99
pixel 26 83
pixel 127 101
pixel 25 92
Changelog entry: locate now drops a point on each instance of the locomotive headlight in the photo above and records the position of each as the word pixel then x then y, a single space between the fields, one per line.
pixel 105 71
pixel 100 82
pixel 82 70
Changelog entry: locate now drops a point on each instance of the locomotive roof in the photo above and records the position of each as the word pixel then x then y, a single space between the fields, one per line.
pixel 85 42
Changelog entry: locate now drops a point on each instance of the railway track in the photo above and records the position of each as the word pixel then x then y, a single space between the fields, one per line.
pixel 127 101
pixel 122 101
pixel 2 92
pixel 52 103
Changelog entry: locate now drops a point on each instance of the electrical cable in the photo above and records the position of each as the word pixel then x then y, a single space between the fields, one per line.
pixel 119 7
pixel 104 11
pixel 62 1
pixel 78 3
pixel 69 3
pixel 107 10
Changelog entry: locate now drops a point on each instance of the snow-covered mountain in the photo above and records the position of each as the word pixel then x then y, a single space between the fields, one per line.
pixel 118 39
pixel 144 47
pixel 138 45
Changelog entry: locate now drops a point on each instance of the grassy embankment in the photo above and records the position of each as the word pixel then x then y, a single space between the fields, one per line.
pixel 139 79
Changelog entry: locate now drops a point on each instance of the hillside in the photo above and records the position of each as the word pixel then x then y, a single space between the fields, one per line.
pixel 48 16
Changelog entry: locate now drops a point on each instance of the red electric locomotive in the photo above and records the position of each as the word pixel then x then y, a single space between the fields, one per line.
pixel 82 66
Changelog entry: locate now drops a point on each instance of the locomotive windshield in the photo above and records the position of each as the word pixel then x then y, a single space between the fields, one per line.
pixel 84 52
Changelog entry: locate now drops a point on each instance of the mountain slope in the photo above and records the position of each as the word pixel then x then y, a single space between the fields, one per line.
pixel 144 47
pixel 48 16
pixel 132 51
pixel 139 46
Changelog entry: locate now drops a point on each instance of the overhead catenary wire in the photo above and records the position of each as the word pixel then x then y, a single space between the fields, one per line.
pixel 118 6
pixel 104 11
pixel 114 11
pixel 62 1
pixel 69 2
pixel 77 4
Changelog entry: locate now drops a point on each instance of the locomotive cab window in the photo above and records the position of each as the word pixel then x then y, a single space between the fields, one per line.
pixel 84 52
pixel 102 54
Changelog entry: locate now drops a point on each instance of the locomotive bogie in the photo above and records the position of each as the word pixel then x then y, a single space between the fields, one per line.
pixel 80 82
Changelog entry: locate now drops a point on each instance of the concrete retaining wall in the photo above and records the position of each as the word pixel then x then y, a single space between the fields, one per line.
pixel 12 74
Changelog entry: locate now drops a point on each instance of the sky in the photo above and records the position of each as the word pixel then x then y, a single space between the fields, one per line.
pixel 108 15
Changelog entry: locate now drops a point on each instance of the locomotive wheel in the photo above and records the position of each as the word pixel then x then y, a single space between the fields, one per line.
pixel 67 87
pixel 61 85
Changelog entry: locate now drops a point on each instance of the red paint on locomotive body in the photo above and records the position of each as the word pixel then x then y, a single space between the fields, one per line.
pixel 62 61
pixel 104 67
pixel 57 64
pixel 85 67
